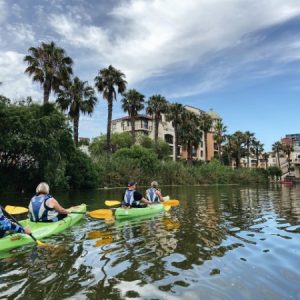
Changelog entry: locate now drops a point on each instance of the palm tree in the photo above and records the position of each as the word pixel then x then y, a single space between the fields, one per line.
pixel 257 149
pixel 77 97
pixel 206 124
pixel 219 137
pixel 108 80
pixel 265 156
pixel 157 105
pixel 249 137
pixel 288 149
pixel 190 133
pixel 277 147
pixel 174 114
pixel 49 65
pixel 237 141
pixel 133 102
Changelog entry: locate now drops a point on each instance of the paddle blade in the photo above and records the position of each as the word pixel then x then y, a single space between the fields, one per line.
pixel 172 202
pixel 15 210
pixel 100 214
pixel 112 202
pixel 40 243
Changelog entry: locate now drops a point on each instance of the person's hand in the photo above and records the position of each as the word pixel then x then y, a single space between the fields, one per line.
pixel 27 230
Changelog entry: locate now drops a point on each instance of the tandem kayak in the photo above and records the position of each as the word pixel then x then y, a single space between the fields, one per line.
pixel 127 213
pixel 41 230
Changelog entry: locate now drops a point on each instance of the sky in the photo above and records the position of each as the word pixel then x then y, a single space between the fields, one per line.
pixel 240 58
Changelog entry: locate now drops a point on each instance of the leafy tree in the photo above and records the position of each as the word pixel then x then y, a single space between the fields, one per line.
pixel 219 136
pixel 133 102
pixel 249 139
pixel 49 65
pixel 257 149
pixel 206 124
pixel 77 97
pixel 174 115
pixel 108 80
pixel 156 106
pixel 277 147
pixel 265 156
pixel 288 149
pixel 118 141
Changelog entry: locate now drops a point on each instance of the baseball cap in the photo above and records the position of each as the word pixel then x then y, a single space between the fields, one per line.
pixel 131 183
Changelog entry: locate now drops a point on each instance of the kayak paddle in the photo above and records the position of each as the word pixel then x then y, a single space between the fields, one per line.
pixel 39 243
pixel 96 214
pixel 172 202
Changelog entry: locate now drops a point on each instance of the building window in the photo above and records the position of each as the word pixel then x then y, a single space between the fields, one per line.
pixel 146 124
pixel 169 138
pixel 201 153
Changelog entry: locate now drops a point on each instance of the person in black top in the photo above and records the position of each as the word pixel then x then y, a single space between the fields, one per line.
pixel 133 198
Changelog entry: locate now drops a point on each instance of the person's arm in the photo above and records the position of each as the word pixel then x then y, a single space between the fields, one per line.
pixel 53 203
pixel 159 195
pixel 7 225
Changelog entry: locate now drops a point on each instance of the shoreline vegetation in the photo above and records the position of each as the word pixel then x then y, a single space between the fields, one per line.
pixel 41 142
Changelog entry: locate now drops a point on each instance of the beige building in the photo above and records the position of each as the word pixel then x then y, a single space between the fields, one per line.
pixel 145 125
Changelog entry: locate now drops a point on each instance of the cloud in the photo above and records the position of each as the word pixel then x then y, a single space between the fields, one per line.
pixel 3 11
pixel 148 39
pixel 15 84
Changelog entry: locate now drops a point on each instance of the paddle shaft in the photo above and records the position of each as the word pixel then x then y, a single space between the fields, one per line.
pixel 10 216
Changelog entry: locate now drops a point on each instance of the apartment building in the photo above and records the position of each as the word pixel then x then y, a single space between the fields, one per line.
pixel 144 124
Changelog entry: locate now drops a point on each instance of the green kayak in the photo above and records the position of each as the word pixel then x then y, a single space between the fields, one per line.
pixel 41 230
pixel 125 213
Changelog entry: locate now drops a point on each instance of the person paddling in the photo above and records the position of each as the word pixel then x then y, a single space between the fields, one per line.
pixel 133 198
pixel 153 194
pixel 44 208
pixel 7 226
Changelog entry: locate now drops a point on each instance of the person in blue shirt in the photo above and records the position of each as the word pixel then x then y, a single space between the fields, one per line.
pixel 133 198
pixel 44 208
pixel 7 226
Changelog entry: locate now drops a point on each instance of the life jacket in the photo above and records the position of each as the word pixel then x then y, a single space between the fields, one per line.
pixel 39 211
pixel 151 195
pixel 128 197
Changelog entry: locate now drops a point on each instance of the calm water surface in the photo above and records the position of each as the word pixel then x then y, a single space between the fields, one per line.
pixel 222 242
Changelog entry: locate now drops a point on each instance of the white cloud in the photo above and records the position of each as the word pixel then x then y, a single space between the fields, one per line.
pixel 15 84
pixel 154 38
pixel 3 11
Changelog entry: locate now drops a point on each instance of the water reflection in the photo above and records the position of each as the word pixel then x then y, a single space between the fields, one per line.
pixel 222 242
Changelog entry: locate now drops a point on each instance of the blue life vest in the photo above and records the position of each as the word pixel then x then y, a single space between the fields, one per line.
pixel 151 195
pixel 128 197
pixel 39 211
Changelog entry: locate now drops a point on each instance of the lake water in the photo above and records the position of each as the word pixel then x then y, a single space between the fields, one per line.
pixel 222 242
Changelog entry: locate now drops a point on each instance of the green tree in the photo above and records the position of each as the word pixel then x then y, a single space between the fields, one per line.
pixel 49 65
pixel 265 156
pixel 133 102
pixel 277 147
pixel 288 149
pixel 206 126
pixel 108 80
pixel 257 149
pixel 249 138
pixel 156 106
pixel 219 136
pixel 174 115
pixel 77 97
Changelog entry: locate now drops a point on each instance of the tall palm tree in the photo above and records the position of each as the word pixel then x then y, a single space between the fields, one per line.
pixel 133 102
pixel 288 149
pixel 174 114
pixel 49 65
pixel 238 139
pixel 219 135
pixel 249 136
pixel 77 97
pixel 257 149
pixel 108 80
pixel 277 147
pixel 206 124
pixel 265 156
pixel 157 105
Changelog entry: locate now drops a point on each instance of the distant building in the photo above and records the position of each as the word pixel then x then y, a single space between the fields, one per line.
pixel 145 124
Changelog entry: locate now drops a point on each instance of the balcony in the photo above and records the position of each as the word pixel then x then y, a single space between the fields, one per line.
pixel 137 127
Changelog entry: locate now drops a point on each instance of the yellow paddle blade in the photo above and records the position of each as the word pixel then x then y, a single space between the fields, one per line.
pixel 172 202
pixel 166 198
pixel 100 214
pixel 112 202
pixel 40 243
pixel 15 210
pixel 167 208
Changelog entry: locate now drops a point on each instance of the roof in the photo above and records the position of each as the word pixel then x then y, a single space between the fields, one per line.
pixel 213 114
